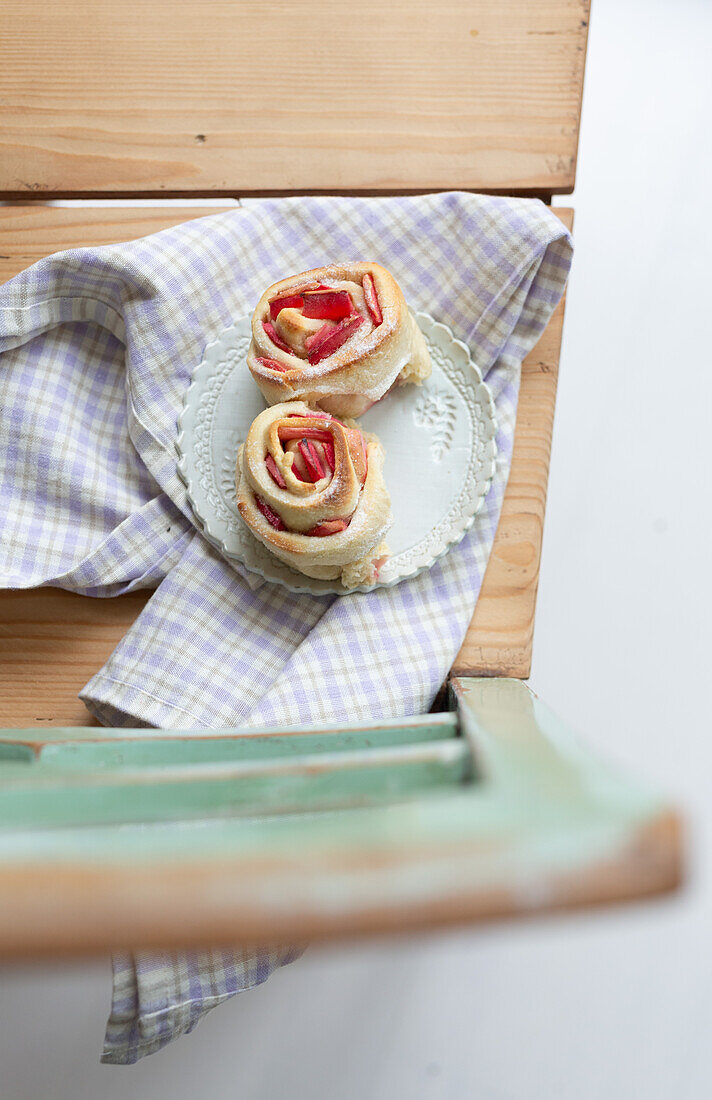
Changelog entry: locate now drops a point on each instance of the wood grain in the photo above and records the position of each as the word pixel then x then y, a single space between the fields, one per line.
pixel 52 642
pixel 500 637
pixel 223 97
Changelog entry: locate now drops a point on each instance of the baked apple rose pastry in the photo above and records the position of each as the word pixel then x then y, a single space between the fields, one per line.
pixel 338 337
pixel 310 487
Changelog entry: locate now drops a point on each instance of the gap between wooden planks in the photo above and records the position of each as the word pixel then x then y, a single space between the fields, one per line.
pixel 52 642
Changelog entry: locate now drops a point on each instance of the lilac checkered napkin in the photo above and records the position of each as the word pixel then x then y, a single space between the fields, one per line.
pixel 98 346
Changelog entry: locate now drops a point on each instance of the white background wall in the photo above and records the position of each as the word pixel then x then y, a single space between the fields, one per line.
pixel 614 1005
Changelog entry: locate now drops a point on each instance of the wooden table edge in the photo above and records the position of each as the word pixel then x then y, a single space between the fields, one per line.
pixel 510 585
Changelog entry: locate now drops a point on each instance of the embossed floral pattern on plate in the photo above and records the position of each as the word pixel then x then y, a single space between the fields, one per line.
pixel 437 409
pixel 440 455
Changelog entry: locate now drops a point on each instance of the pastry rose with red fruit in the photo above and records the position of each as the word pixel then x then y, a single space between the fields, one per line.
pixel 310 487
pixel 338 337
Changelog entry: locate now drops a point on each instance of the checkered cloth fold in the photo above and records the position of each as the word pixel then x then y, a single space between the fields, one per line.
pixel 97 348
pixel 159 996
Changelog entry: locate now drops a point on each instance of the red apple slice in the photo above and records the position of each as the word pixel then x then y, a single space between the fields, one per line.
pixel 272 518
pixel 329 527
pixel 293 301
pixel 271 364
pixel 314 416
pixel 329 454
pixel 311 459
pixel 286 432
pixel 335 339
pixel 274 336
pixel 369 291
pixel 331 305
pixel 319 336
pixel 274 472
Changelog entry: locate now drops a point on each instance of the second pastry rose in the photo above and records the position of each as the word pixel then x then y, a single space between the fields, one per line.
pixel 310 487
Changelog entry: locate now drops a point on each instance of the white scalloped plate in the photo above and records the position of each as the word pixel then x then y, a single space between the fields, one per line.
pixel 440 448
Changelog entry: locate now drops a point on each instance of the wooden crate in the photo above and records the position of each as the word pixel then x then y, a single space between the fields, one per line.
pixel 437 819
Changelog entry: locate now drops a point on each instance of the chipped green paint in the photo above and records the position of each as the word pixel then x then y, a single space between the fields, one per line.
pixel 323 827
pixel 92 750
pixel 81 777
pixel 42 795
pixel 532 776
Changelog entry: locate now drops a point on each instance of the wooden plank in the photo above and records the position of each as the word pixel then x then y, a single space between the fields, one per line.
pixel 29 232
pixel 546 827
pixel 52 642
pixel 78 747
pixel 39 794
pixel 500 637
pixel 220 97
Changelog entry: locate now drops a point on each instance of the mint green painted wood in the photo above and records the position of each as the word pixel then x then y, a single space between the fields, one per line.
pixel 86 777
pixel 16 752
pixel 534 764
pixel 90 750
pixel 41 795
pixel 105 734
pixel 275 843
pixel 531 772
